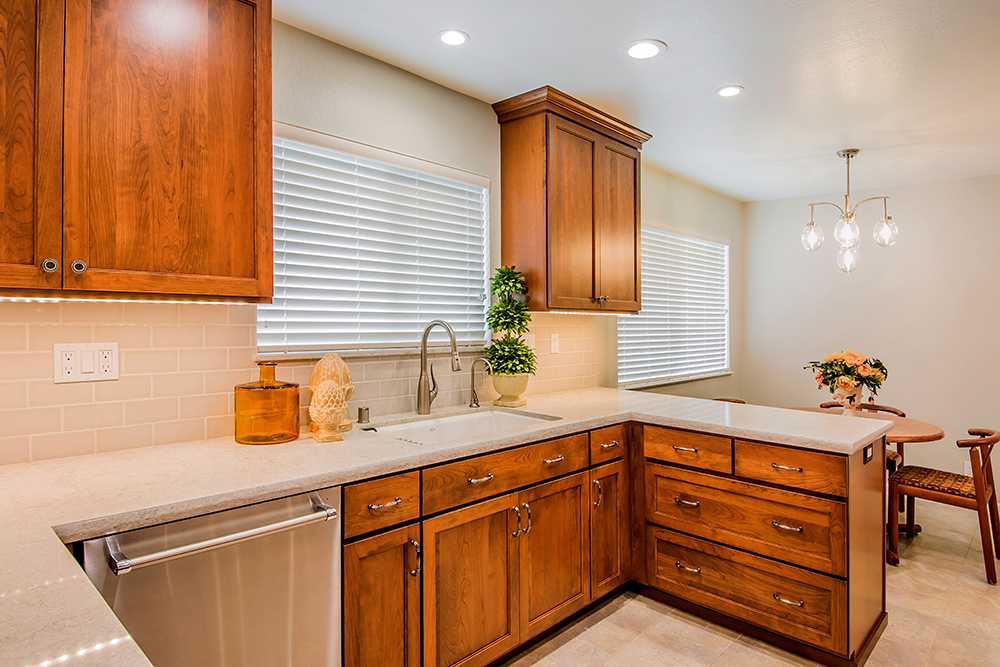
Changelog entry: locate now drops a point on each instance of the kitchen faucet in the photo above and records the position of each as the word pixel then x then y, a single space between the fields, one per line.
pixel 428 391
pixel 474 403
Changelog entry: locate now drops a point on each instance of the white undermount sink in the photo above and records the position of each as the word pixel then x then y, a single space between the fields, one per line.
pixel 458 427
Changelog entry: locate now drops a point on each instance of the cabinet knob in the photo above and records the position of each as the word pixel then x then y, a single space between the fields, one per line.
pixel 50 265
pixel 78 266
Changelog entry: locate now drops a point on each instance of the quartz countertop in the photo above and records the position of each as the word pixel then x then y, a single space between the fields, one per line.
pixel 48 608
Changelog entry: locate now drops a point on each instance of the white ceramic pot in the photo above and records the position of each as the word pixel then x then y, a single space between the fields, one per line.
pixel 849 398
pixel 510 388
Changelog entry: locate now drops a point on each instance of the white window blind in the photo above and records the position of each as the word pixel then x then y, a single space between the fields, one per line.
pixel 682 331
pixel 367 253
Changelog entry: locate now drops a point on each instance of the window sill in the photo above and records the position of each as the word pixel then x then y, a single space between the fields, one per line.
pixel 406 352
pixel 668 381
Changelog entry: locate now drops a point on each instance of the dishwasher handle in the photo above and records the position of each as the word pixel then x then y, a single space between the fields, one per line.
pixel 121 564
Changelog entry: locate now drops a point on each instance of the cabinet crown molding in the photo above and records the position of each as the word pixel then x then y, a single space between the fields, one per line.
pixel 549 99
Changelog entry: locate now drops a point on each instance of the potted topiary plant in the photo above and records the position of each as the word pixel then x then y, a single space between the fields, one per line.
pixel 511 361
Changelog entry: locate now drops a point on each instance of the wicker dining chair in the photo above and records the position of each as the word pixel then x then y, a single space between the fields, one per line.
pixel 976 492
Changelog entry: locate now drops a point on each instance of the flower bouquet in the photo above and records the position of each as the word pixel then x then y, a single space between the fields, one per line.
pixel 847 373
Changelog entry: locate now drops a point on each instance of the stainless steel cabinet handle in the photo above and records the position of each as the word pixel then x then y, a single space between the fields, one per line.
pixel 391 503
pixel 518 531
pixel 696 570
pixel 784 527
pixel 800 603
pixel 528 508
pixel 488 477
pixel 613 443
pixel 685 449
pixel 78 266
pixel 600 494
pixel 777 467
pixel 689 503
pixel 120 564
pixel 50 265
pixel 555 460
pixel 420 559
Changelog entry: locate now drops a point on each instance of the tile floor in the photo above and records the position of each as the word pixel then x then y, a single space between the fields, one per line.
pixel 941 613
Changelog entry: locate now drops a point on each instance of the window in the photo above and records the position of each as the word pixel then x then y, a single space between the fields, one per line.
pixel 368 252
pixel 682 331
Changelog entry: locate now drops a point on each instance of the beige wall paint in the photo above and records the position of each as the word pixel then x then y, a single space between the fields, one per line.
pixel 674 201
pixel 928 306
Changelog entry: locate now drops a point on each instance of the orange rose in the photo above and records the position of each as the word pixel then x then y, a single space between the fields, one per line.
pixel 852 358
pixel 819 377
pixel 846 383
pixel 834 356
pixel 865 370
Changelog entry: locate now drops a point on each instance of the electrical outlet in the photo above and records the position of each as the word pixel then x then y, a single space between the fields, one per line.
pixel 555 343
pixel 968 468
pixel 84 362
pixel 529 340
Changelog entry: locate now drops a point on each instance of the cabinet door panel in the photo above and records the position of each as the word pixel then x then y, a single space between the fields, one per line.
pixel 617 206
pixel 382 601
pixel 555 553
pixel 572 155
pixel 608 528
pixel 30 145
pixel 471 584
pixel 168 146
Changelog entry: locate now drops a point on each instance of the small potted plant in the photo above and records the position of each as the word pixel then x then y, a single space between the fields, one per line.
pixel 511 361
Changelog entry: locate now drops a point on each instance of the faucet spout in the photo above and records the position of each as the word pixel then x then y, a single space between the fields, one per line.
pixel 427 389
pixel 474 403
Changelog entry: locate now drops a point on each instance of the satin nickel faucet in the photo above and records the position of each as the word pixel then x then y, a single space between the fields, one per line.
pixel 427 391
pixel 474 403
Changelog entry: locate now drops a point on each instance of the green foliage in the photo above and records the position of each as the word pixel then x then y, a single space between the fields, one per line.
pixel 509 317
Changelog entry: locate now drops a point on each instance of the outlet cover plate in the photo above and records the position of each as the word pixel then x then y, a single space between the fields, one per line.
pixel 103 366
pixel 968 468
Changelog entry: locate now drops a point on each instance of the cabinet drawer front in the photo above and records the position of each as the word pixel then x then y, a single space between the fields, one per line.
pixel 806 606
pixel 812 471
pixel 710 452
pixel 462 482
pixel 607 444
pixel 381 503
pixel 792 527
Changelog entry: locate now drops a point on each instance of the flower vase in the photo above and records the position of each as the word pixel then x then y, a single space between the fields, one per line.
pixel 850 399
pixel 510 388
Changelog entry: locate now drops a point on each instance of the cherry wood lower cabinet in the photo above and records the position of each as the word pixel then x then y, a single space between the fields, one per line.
pixel 609 531
pixel 382 600
pixel 471 584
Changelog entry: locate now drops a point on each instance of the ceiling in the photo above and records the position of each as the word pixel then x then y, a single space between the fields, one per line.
pixel 915 84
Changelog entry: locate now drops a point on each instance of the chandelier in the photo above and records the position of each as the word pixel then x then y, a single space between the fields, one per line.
pixel 847 232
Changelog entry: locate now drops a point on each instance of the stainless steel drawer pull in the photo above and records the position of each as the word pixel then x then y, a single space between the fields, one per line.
pixel 392 503
pixel 800 603
pixel 609 445
pixel 695 570
pixel 528 508
pixel 685 449
pixel 600 494
pixel 555 460
pixel 488 477
pixel 777 467
pixel 518 531
pixel 784 527
pixel 420 559
pixel 120 564
pixel 689 503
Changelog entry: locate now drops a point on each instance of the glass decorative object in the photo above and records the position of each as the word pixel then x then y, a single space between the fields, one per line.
pixel 848 258
pixel 885 232
pixel 847 231
pixel 267 411
pixel 812 237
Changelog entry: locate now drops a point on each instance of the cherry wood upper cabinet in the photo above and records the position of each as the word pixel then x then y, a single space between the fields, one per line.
pixel 137 144
pixel 570 202
pixel 31 36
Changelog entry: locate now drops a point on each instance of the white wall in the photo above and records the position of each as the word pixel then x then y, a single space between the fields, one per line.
pixel 675 201
pixel 929 307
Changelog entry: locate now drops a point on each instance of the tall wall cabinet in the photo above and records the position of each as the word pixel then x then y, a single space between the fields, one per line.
pixel 135 144
pixel 570 202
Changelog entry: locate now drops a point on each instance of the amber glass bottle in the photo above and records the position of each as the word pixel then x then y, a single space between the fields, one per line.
pixel 267 411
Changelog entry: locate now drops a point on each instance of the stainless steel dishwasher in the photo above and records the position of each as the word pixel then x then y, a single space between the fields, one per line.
pixel 256 586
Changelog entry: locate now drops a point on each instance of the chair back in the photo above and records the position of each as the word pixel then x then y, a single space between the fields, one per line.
pixel 729 400
pixel 871 407
pixel 980 449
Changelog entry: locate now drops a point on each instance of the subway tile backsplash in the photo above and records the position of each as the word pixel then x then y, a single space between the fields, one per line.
pixel 180 362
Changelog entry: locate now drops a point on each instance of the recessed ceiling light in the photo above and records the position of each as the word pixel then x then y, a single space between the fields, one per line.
pixel 453 37
pixel 646 48
pixel 730 91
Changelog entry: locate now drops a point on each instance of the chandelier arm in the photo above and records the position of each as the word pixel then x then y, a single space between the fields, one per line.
pixel 856 206
pixel 826 203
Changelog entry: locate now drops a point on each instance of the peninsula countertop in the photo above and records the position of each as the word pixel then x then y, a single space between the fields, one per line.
pixel 49 609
